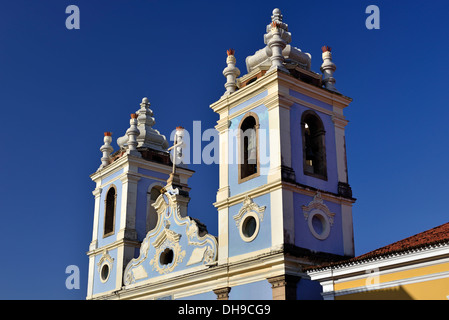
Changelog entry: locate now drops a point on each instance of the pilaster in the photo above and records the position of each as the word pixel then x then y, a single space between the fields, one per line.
pixel 348 230
pixel 222 293
pixel 278 106
pixel 128 207
pixel 223 131
pixel 223 235
pixel 340 146
pixel 284 287
pixel 94 242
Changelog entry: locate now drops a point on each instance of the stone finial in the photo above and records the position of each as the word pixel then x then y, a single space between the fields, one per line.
pixel 148 137
pixel 278 37
pixel 277 16
pixel 276 43
pixel 132 134
pixel 107 149
pixel 231 72
pixel 328 68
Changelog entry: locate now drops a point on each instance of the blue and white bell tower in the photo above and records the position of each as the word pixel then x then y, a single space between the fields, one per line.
pixel 128 183
pixel 283 192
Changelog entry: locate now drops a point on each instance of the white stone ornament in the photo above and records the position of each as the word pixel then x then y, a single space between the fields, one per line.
pixel 318 211
pixel 328 68
pixel 177 154
pixel 148 137
pixel 132 134
pixel 107 149
pixel 249 211
pixel 264 57
pixel 175 236
pixel 105 265
pixel 276 43
pixel 231 72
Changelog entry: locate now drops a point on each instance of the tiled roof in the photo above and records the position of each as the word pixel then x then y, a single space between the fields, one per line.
pixel 429 237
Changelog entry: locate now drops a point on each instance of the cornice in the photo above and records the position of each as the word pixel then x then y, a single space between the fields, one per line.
pixel 113 245
pixel 211 276
pixel 281 80
pixel 127 161
pixel 269 187
pixel 245 93
pixel 339 121
pixel 318 93
pixel 254 193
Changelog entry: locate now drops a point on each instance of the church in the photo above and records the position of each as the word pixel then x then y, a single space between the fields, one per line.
pixel 284 201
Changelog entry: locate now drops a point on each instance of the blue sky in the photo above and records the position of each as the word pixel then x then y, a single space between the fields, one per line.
pixel 61 89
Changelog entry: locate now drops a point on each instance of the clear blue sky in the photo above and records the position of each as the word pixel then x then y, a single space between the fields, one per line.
pixel 61 89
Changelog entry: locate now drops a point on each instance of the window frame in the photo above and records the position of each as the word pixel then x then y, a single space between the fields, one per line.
pixel 306 114
pixel 106 212
pixel 240 153
pixel 149 208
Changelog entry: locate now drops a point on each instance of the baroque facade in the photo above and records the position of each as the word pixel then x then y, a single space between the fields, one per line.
pixel 277 216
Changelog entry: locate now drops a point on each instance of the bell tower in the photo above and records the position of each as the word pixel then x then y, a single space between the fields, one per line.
pixel 128 182
pixel 283 182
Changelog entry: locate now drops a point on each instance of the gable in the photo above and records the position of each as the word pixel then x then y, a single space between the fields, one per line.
pixel 176 244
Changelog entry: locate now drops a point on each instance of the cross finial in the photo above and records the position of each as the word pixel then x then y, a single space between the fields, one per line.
pixel 178 144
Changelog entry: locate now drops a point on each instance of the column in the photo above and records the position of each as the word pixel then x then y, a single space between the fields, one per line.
pixel 284 287
pixel 222 293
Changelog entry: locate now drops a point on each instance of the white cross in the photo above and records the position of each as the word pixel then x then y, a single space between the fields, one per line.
pixel 177 143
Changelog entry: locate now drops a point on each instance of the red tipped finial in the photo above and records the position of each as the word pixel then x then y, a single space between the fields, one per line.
pixel 326 48
pixel 133 116
pixel 230 52
pixel 108 134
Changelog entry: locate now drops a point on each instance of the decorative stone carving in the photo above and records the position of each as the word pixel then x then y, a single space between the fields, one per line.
pixel 284 287
pixel 174 244
pixel 106 149
pixel 328 68
pixel 222 293
pixel 250 213
pixel 167 240
pixel 105 265
pixel 316 212
pixel 148 137
pixel 290 54
pixel 231 72
pixel 249 205
pixel 132 133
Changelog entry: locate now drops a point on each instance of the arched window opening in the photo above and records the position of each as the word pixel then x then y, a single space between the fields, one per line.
pixel 109 214
pixel 249 155
pixel 314 149
pixel 152 216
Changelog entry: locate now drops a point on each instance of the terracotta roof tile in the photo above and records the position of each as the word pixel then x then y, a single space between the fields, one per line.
pixel 428 237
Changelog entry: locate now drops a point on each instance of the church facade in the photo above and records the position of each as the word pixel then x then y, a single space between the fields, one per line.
pixel 284 202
